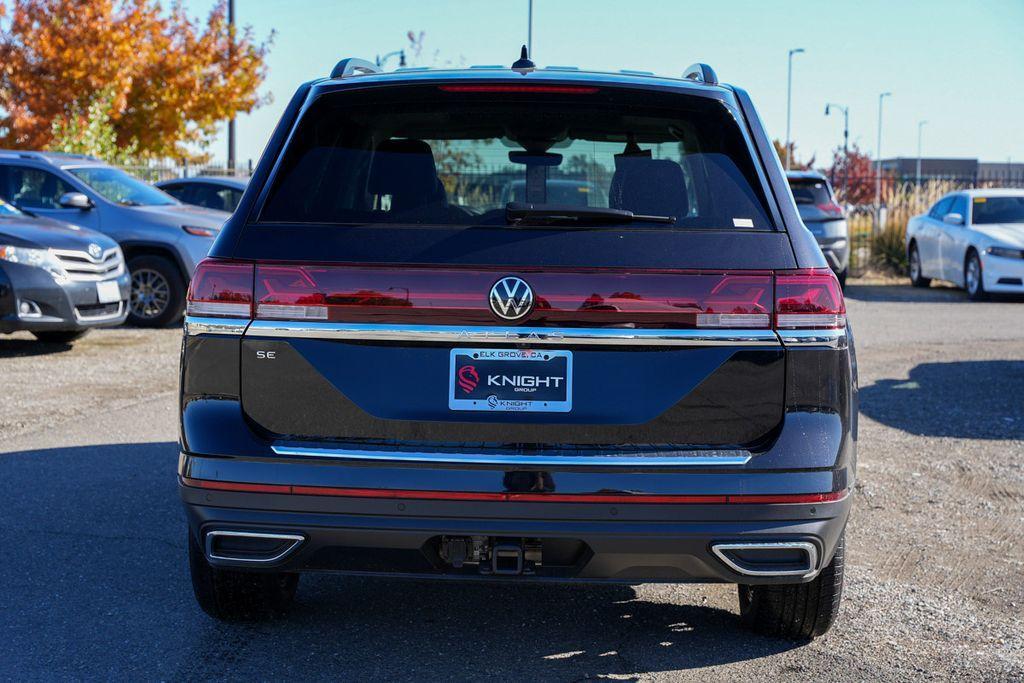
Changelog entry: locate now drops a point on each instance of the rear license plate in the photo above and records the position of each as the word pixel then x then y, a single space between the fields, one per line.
pixel 510 380
pixel 108 292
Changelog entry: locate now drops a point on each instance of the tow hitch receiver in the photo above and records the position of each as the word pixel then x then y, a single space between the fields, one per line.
pixel 492 556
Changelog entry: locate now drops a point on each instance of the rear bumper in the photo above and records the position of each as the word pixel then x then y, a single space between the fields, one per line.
pixel 631 542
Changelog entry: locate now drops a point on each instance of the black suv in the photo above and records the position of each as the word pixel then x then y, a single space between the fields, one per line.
pixel 387 370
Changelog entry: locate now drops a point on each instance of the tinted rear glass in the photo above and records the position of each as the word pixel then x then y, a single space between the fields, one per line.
pixel 810 191
pixel 425 155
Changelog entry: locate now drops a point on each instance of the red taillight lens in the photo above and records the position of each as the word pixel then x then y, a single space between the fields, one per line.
pixel 809 299
pixel 221 289
pixel 590 298
pixel 831 208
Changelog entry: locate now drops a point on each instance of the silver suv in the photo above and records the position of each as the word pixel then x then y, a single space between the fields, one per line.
pixel 162 238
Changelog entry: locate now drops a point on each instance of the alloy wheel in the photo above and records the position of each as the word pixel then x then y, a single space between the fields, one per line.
pixel 973 275
pixel 150 293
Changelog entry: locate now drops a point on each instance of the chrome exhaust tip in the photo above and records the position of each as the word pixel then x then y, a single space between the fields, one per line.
pixel 250 547
pixel 781 558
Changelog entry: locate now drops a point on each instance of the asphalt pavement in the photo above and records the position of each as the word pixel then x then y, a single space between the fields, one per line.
pixel 95 580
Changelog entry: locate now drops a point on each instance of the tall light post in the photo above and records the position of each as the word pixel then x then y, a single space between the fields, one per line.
pixel 231 122
pixel 529 27
pixel 789 97
pixel 878 164
pixel 846 141
pixel 917 184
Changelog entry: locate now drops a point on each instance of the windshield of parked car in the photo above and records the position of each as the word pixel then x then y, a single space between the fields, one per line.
pixel 8 210
pixel 988 210
pixel 461 154
pixel 121 188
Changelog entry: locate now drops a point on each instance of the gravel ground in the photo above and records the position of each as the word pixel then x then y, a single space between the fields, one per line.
pixel 935 583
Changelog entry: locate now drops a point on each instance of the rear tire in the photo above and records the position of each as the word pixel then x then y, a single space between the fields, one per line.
pixel 916 278
pixel 157 296
pixel 801 611
pixel 59 336
pixel 973 282
pixel 231 595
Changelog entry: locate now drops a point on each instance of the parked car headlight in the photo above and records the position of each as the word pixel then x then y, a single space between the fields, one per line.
pixel 37 258
pixel 1006 252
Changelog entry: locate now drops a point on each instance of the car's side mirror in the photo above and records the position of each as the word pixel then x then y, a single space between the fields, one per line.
pixel 953 219
pixel 75 200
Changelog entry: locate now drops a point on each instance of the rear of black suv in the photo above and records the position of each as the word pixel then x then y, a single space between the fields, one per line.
pixel 388 370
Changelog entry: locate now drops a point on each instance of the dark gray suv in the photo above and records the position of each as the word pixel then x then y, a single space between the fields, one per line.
pixel 391 368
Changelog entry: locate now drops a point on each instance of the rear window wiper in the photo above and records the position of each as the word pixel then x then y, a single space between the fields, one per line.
pixel 517 213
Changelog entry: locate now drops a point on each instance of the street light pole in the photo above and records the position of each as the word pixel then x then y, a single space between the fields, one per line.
pixel 878 164
pixel 789 97
pixel 231 122
pixel 529 27
pixel 917 185
pixel 846 141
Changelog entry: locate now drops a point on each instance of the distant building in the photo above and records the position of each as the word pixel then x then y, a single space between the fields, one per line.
pixel 963 170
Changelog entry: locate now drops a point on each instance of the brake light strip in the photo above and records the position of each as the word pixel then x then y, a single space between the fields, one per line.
pixel 493 496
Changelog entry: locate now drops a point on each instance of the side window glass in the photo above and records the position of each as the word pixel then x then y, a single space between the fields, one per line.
pixel 941 208
pixel 959 206
pixel 33 188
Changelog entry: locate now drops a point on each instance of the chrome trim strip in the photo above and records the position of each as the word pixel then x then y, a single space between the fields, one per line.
pixel 228 326
pixel 450 334
pixel 210 535
pixel 722 459
pixel 833 339
pixel 809 548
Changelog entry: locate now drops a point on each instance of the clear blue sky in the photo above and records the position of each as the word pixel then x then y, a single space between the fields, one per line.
pixel 960 65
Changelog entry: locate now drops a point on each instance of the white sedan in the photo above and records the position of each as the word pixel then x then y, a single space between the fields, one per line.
pixel 972 238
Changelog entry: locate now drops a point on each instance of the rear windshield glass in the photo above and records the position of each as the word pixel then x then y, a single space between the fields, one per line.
pixel 988 210
pixel 810 191
pixel 449 156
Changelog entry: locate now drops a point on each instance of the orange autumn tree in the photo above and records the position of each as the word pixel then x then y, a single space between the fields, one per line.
pixel 169 79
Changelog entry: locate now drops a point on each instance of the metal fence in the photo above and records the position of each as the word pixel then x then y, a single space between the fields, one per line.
pixel 153 173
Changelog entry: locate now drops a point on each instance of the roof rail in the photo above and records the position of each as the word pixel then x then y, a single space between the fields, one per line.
pixel 351 66
pixel 701 73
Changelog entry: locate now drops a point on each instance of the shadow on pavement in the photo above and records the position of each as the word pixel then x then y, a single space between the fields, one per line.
pixel 966 399
pixel 15 348
pixel 99 587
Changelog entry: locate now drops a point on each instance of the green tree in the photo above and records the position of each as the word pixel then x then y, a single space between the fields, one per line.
pixel 91 132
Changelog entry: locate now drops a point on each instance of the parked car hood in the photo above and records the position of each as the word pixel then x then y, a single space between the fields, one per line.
pixel 1010 234
pixel 44 233
pixel 185 214
pixel 810 213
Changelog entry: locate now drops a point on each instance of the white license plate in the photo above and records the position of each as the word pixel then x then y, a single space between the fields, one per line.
pixel 108 292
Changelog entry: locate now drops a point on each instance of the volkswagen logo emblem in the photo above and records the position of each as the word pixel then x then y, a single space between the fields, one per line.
pixel 95 251
pixel 511 298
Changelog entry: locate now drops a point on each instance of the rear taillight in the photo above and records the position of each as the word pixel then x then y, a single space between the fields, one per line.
pixel 221 289
pixel 591 298
pixel 808 299
pixel 804 299
pixel 831 208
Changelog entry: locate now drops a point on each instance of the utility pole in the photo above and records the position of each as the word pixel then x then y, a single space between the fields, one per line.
pixel 878 164
pixel 231 48
pixel 789 98
pixel 917 184
pixel 529 27
pixel 846 141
